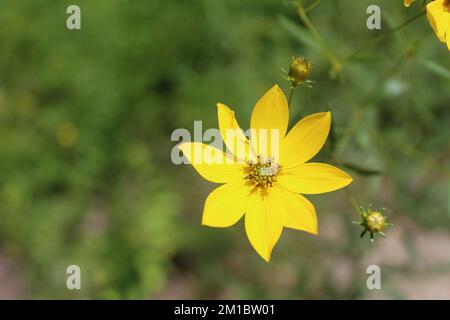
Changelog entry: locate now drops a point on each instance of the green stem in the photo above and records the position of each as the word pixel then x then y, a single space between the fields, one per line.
pixel 351 197
pixel 359 108
pixel 335 63
pixel 384 35
pixel 291 94
pixel 312 6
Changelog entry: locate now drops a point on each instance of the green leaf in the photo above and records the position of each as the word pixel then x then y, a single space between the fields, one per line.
pixel 392 23
pixel 437 69
pixel 298 33
pixel 360 170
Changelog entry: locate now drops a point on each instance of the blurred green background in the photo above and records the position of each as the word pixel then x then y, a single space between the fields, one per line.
pixel 85 172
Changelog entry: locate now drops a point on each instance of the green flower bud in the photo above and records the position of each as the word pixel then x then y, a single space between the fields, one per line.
pixel 299 71
pixel 373 222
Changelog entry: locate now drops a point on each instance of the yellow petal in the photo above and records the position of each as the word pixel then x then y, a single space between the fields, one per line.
pixel 226 204
pixel 211 163
pixel 232 134
pixel 263 224
pixel 269 122
pixel 448 36
pixel 305 139
pixel 313 178
pixel 438 18
pixel 297 212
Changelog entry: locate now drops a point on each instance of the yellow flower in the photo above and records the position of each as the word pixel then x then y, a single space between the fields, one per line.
pixel 438 13
pixel 407 3
pixel 266 186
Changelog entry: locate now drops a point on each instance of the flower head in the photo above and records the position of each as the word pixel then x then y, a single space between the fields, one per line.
pixel 438 13
pixel 373 222
pixel 263 177
pixel 407 3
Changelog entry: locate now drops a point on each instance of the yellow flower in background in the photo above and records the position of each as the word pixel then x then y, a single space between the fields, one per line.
pixel 408 2
pixel 266 187
pixel 438 13
pixel 67 134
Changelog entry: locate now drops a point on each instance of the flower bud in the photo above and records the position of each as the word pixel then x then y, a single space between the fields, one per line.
pixel 373 222
pixel 299 71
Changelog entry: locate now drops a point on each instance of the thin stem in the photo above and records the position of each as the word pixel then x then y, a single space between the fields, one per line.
pixel 312 6
pixel 335 64
pixel 360 107
pixel 291 94
pixel 351 197
pixel 384 35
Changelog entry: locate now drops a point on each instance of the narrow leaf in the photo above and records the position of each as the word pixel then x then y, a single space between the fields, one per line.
pixel 437 69
pixel 360 170
pixel 298 33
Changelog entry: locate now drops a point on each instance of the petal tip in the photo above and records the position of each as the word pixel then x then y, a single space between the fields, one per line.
pixel 277 89
pixel 349 178
pixel 320 115
pixel 346 183
pixel 313 230
pixel 222 106
pixel 266 258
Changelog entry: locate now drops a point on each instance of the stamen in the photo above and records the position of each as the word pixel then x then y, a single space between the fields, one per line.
pixel 262 173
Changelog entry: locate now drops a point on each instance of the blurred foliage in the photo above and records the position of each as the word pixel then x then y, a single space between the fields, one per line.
pixel 86 118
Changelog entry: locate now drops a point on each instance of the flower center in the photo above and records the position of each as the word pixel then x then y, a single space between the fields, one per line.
pixel 446 5
pixel 262 173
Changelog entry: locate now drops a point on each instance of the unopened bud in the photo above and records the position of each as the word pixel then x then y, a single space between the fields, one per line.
pixel 373 222
pixel 299 71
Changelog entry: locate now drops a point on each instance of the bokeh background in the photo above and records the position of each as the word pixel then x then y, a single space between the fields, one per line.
pixel 85 171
